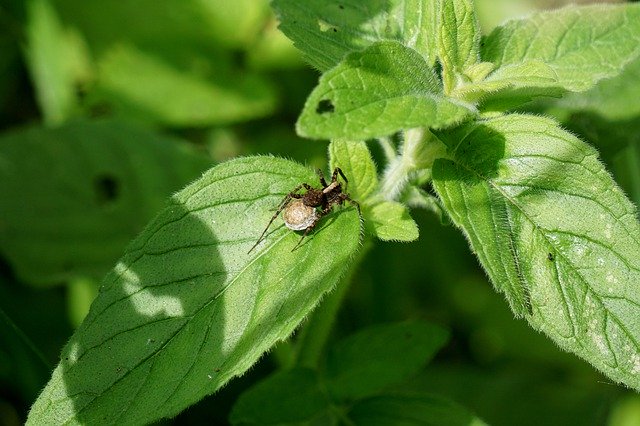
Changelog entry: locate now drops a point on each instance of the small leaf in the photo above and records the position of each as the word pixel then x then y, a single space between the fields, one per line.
pixel 390 221
pixel 284 397
pixel 325 31
pixel 366 362
pixel 187 308
pixel 411 410
pixel 376 92
pixel 581 44
pixel 458 41
pixel 73 197
pixel 355 161
pixel 554 232
pixel 512 84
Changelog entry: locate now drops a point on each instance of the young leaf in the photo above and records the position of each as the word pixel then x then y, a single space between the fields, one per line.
pixel 188 308
pixel 554 232
pixel 74 196
pixel 374 358
pixel 580 44
pixel 458 40
pixel 390 221
pixel 385 88
pixel 283 398
pixel 325 31
pixel 355 161
pixel 411 409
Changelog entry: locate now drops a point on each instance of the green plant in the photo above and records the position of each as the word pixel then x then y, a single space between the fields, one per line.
pixel 186 308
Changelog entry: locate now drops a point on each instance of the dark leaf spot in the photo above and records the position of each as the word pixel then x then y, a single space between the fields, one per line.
pixel 106 188
pixel 551 257
pixel 325 106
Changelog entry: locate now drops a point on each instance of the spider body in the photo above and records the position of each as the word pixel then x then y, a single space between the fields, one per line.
pixel 302 212
pixel 297 216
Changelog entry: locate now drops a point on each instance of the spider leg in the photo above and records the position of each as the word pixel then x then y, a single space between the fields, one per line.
pixel 323 182
pixel 281 206
pixel 345 197
pixel 337 171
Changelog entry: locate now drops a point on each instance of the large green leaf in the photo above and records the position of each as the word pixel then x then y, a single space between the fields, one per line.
pixel 566 49
pixel 174 24
pixel 325 31
pixel 135 82
pixel 74 196
pixel 188 308
pixel 385 88
pixel 554 232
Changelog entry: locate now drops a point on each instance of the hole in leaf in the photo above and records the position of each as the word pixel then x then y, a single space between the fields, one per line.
pixel 107 188
pixel 325 106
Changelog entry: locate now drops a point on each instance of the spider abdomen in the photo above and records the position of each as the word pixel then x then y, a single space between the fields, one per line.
pixel 298 216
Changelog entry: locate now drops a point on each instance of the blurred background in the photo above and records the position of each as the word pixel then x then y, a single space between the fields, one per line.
pixel 108 107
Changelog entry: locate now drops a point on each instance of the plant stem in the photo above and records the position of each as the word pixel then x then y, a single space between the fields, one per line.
pixel 419 150
pixel 388 148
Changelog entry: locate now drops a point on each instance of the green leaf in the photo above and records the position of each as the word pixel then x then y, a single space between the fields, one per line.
pixel 285 397
pixel 368 361
pixel 376 92
pixel 458 41
pixel 178 24
pixel 187 308
pixel 74 196
pixel 390 221
pixel 326 31
pixel 580 44
pixel 49 54
pixel 613 99
pixel 411 409
pixel 355 161
pixel 147 86
pixel 554 232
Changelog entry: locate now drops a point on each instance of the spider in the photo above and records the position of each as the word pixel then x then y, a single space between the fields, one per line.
pixel 304 211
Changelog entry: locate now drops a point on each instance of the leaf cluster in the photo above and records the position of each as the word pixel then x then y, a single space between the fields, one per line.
pixel 422 112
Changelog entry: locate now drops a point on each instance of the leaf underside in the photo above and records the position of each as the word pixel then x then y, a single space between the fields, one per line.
pixel 554 232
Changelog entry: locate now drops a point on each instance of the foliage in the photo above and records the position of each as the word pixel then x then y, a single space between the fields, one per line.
pixel 424 113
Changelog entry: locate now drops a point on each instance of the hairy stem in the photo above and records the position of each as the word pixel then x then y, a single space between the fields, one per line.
pixel 419 149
